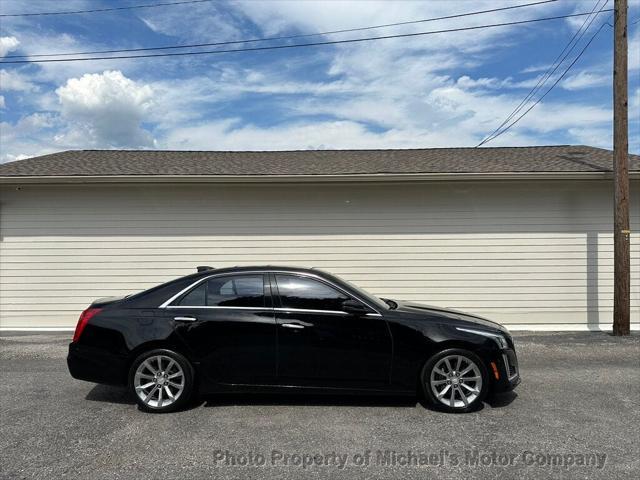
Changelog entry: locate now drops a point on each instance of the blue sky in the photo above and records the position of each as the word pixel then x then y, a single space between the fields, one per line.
pixel 432 91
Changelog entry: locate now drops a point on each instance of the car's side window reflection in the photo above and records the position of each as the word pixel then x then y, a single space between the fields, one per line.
pixel 196 297
pixel 306 293
pixel 240 291
pixel 227 291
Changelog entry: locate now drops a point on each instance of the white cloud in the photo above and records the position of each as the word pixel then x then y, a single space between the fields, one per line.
pixel 105 109
pixel 585 80
pixel 489 83
pixel 634 50
pixel 340 134
pixel 536 68
pixel 2 103
pixel 28 137
pixel 12 80
pixel 207 22
pixel 8 44
pixel 634 101
pixel 594 136
pixel 13 158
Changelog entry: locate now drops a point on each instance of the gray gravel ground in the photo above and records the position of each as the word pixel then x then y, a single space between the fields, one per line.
pixel 579 396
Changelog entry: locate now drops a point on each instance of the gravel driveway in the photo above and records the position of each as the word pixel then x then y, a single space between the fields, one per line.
pixel 575 415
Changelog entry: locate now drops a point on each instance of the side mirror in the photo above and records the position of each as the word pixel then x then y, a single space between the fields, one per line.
pixel 354 307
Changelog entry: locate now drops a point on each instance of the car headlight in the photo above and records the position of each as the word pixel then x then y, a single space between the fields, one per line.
pixel 498 338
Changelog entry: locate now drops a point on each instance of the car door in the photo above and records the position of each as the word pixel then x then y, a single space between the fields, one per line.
pixel 319 344
pixel 228 323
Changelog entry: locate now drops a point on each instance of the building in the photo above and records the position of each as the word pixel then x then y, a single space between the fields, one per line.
pixel 519 235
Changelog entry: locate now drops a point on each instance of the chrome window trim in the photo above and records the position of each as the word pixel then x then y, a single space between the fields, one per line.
pixel 277 309
pixel 167 304
pixel 219 307
pixel 310 310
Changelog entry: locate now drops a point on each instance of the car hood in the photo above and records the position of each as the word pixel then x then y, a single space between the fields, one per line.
pixel 418 308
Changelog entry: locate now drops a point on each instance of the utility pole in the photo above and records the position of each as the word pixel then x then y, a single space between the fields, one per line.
pixel 621 232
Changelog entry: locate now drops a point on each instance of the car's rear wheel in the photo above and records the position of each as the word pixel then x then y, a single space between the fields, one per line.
pixel 455 380
pixel 161 381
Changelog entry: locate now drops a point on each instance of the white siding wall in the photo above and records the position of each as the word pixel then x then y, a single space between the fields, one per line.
pixel 522 253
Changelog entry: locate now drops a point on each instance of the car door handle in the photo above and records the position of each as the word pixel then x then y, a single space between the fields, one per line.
pixel 292 325
pixel 185 319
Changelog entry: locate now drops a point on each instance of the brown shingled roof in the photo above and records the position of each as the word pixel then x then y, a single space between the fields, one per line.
pixel 108 163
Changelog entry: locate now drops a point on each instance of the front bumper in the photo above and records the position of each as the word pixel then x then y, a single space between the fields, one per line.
pixel 93 365
pixel 505 368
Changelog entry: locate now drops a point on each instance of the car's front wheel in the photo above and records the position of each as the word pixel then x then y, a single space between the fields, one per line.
pixel 161 381
pixel 455 380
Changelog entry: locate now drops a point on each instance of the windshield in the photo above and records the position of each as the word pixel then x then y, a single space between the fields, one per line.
pixel 370 298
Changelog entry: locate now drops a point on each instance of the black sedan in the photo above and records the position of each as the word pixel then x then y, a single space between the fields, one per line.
pixel 264 329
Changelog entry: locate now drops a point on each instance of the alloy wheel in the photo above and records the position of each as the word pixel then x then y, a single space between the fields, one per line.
pixel 159 381
pixel 456 381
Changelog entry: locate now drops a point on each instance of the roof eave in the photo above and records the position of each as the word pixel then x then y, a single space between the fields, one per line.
pixel 86 179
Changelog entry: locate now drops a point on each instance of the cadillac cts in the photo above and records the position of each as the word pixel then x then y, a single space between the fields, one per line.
pixel 259 329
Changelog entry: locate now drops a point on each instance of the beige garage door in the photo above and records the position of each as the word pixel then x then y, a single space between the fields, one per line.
pixel 526 254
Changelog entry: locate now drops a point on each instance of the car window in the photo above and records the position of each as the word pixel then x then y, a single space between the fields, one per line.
pixel 236 291
pixel 302 292
pixel 195 298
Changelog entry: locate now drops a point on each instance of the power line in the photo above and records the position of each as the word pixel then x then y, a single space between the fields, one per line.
pixel 584 49
pixel 287 37
pixel 559 60
pixel 300 45
pixel 100 10
pixel 545 77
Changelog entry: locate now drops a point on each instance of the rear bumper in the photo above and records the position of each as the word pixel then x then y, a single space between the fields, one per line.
pixel 508 371
pixel 92 365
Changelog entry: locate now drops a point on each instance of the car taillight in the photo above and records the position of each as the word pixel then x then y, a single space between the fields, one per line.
pixel 83 320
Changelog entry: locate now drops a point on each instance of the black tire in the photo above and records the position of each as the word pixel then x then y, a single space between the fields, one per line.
pixel 182 397
pixel 459 406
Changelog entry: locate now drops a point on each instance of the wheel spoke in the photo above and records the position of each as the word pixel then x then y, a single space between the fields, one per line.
pixel 145 375
pixel 174 375
pixel 439 382
pixel 444 391
pixel 440 372
pixel 159 358
pixel 467 370
pixel 149 367
pixel 171 364
pixel 459 364
pixel 169 394
pixel 464 399
pixel 472 390
pixel 160 390
pixel 175 385
pixel 471 379
pixel 452 398
pixel 448 364
pixel 150 394
pixel 145 386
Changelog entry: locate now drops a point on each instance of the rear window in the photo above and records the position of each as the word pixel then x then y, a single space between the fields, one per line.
pixel 196 297
pixel 227 291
